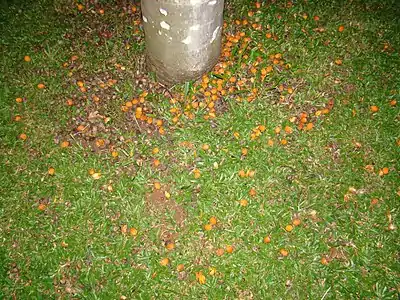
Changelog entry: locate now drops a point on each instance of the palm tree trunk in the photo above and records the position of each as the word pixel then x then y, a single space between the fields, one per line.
pixel 183 37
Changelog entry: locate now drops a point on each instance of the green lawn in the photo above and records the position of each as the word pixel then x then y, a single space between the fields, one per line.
pixel 276 176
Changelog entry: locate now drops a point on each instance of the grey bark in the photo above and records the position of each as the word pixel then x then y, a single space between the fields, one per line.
pixel 183 37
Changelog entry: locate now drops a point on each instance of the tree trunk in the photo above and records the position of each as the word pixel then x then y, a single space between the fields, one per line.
pixel 183 37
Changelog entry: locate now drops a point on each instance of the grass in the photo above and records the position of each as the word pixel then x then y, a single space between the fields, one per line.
pixel 68 235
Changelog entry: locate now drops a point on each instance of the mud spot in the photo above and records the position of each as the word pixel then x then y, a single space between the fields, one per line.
pixel 166 210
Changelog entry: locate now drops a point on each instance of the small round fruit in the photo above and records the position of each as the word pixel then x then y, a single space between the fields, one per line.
pixel 229 249
pixel 284 252
pixel 133 231
pixel 213 220
pixel 296 222
pixel 41 86
pixel 164 262
pixel 220 252
pixel 289 228
pixel 170 246
pixel 374 108
pixel 267 240
pixel 23 136
pixel 180 267
pixel 27 58
pixel 243 202
pixel 51 171
pixel 324 261
pixel 42 206
pixel 207 227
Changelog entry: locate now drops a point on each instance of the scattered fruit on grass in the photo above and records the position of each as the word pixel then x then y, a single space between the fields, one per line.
pixel 42 206
pixel 155 150
pixel 23 136
pixel 17 118
pixel 284 252
pixel 164 262
pixel 267 240
pixel 167 195
pixel 205 147
pixel 229 249
pixel 284 142
pixel 69 102
pixel 170 246
pixel 243 202
pixel 80 128
pixel 324 261
pixel 212 271
pixel 242 173
pixel 96 175
pixel 289 228
pixel 383 171
pixel 245 151
pixel 41 86
pixel 207 227
pixel 213 220
pixel 101 11
pixel 180 267
pixel 27 58
pixel 220 252
pixel 133 231
pixel 288 129
pixel 80 7
pixel 64 244
pixel 200 277
pixel 341 28
pixel 374 108
pixel 157 185
pixel 309 126
pixel 339 62
pixel 270 142
pixel 374 201
pixel 393 102
pixel 252 192
pixel 316 18
pixel 296 222
pixel 196 173
pixel 19 100
pixel 51 171
pixel 114 154
pixel 156 162
pixel 64 144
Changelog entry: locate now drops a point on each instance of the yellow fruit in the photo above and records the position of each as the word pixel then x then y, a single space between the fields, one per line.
pixel 200 277
pixel 170 246
pixel 164 262
pixel 284 252
pixel 27 58
pixel 220 252
pixel 267 240
pixel 51 171
pixel 296 222
pixel 213 220
pixel 133 231
pixel 157 185
pixel 180 267
pixel 64 144
pixel 289 228
pixel 229 249
pixel 207 227
pixel 243 202
pixel 374 108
